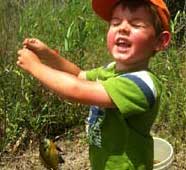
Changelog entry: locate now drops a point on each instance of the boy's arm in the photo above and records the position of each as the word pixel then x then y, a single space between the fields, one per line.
pixel 50 56
pixel 72 88
pixel 59 63
pixel 67 86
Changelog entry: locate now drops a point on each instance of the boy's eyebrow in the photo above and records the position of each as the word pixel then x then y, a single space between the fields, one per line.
pixel 114 18
pixel 140 19
pixel 137 19
pixel 130 20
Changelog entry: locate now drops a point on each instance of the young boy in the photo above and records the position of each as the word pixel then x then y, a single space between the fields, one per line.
pixel 124 96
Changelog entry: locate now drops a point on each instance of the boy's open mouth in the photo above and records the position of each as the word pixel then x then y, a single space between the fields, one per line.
pixel 122 43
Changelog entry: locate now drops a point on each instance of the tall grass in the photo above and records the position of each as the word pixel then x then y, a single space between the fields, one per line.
pixel 68 26
pixel 8 43
pixel 170 65
pixel 71 27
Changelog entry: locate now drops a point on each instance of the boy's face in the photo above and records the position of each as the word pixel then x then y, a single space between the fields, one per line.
pixel 131 37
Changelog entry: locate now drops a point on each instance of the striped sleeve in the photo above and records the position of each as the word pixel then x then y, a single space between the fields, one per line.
pixel 145 83
pixel 132 93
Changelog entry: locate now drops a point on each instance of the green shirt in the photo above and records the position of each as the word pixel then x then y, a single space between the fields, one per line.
pixel 120 138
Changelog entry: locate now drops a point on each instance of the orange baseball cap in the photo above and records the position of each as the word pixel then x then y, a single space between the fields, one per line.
pixel 103 8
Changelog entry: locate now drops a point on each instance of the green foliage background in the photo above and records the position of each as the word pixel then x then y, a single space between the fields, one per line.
pixel 71 27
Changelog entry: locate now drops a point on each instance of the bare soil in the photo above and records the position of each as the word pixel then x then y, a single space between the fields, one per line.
pixel 75 153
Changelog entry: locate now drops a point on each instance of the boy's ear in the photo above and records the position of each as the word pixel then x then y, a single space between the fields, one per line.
pixel 163 41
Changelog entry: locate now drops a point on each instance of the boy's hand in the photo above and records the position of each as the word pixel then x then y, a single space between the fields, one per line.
pixel 27 60
pixel 37 46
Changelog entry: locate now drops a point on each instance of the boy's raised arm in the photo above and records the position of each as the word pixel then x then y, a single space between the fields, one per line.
pixel 51 57
pixel 65 85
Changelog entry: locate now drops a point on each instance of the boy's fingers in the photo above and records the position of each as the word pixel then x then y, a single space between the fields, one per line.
pixel 18 63
pixel 29 41
pixel 19 52
pixel 30 44
pixel 32 40
pixel 26 41
pixel 19 58
pixel 24 49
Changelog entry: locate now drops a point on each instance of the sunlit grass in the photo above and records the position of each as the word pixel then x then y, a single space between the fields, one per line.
pixel 71 27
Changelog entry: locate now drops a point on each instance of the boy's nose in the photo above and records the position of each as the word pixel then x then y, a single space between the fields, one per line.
pixel 124 28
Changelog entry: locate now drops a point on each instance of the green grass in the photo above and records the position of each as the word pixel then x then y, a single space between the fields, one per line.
pixel 23 102
pixel 71 27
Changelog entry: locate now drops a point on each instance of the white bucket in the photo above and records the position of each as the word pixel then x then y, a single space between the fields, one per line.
pixel 163 154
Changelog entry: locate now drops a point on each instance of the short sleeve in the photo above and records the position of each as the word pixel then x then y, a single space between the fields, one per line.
pixel 126 95
pixel 93 74
pixel 101 73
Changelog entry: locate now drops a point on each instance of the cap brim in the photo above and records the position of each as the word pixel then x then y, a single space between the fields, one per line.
pixel 104 8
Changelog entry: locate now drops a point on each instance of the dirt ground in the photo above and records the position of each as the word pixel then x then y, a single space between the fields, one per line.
pixel 73 145
pixel 75 153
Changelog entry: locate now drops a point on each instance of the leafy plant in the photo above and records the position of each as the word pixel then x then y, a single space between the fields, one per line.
pixel 71 27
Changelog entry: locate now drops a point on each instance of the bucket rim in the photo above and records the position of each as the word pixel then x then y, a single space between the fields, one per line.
pixel 170 157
